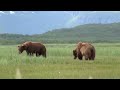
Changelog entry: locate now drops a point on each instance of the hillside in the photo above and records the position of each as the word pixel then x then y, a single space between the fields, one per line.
pixel 88 32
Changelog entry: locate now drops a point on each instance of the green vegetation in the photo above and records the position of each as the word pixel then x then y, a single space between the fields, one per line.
pixel 60 64
pixel 95 33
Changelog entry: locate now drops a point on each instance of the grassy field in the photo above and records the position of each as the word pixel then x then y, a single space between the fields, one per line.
pixel 60 64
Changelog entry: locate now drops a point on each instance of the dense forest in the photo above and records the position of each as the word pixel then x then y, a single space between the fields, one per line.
pixel 90 32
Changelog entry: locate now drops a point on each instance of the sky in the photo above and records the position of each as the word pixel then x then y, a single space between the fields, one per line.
pixel 38 22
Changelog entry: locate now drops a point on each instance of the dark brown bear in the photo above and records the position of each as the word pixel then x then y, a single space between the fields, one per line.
pixel 84 49
pixel 33 47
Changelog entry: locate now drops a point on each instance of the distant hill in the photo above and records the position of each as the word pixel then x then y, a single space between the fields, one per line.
pixel 89 32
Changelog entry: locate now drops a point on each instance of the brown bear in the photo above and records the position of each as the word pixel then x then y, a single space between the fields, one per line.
pixel 33 47
pixel 84 49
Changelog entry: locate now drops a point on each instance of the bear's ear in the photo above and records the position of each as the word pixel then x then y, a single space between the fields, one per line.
pixel 73 50
pixel 23 46
pixel 83 44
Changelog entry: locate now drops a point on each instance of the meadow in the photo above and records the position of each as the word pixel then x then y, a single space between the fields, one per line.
pixel 60 64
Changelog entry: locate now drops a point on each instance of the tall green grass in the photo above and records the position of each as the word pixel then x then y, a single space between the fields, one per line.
pixel 60 64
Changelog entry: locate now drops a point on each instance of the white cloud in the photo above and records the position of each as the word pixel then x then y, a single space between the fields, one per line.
pixel 77 15
pixel 11 12
pixel 72 20
pixel 93 11
pixel 105 11
pixel 68 13
pixel 33 12
pixel 25 11
pixel 54 12
pixel 2 12
pixel 115 11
